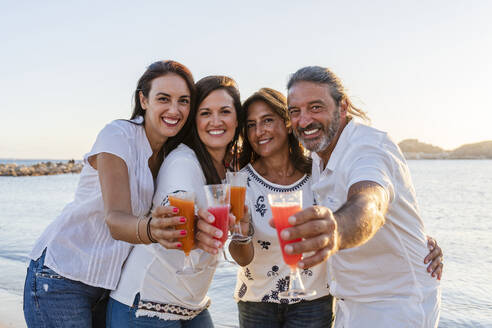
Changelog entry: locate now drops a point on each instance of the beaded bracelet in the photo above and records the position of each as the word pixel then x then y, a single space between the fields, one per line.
pixel 249 237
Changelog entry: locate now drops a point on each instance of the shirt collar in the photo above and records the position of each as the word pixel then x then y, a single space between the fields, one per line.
pixel 340 147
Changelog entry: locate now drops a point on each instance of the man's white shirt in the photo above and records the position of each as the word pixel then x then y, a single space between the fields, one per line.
pixel 389 269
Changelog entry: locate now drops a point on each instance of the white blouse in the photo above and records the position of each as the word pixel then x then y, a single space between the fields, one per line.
pixel 151 269
pixel 266 275
pixel 78 243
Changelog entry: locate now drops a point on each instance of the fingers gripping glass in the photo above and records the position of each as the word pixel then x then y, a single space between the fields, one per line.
pixel 218 203
pixel 185 202
pixel 283 206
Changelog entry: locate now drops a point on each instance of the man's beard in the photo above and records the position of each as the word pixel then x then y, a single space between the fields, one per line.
pixel 322 142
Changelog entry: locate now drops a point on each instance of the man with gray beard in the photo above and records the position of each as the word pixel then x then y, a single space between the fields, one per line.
pixel 366 227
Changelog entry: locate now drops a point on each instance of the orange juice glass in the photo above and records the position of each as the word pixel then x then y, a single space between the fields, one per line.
pixel 185 202
pixel 238 182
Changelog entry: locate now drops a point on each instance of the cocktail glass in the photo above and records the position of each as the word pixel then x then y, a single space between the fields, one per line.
pixel 185 202
pixel 238 181
pixel 283 206
pixel 218 203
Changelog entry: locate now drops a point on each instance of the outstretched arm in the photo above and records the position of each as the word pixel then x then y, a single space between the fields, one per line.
pixel 325 232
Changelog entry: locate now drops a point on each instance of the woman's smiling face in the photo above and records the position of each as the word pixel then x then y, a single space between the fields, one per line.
pixel 167 106
pixel 266 130
pixel 216 120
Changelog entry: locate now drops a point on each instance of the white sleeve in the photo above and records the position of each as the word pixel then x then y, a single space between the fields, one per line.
pixel 179 173
pixel 111 139
pixel 376 165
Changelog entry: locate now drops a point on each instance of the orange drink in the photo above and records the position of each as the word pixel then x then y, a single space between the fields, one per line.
pixel 238 182
pixel 187 209
pixel 238 195
pixel 281 215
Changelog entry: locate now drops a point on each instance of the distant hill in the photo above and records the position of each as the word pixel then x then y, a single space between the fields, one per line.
pixel 415 146
pixel 414 149
pixel 480 149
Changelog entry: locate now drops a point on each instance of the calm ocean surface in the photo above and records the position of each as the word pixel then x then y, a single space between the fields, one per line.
pixel 455 200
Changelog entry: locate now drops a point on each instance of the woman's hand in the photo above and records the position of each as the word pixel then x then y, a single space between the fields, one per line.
pixel 243 251
pixel 207 235
pixel 435 257
pixel 162 227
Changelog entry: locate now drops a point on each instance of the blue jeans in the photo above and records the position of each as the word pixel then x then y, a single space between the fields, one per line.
pixel 51 300
pixel 317 313
pixel 120 315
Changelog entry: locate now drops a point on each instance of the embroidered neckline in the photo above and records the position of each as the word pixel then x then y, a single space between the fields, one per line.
pixel 276 188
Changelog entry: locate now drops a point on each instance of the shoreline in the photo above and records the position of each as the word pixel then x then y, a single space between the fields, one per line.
pixel 43 168
pixel 11 313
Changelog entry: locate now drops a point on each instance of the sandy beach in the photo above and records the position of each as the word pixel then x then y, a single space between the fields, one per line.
pixel 11 315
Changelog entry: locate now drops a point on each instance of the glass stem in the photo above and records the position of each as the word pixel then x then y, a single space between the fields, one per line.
pixel 188 264
pixel 237 229
pixel 295 281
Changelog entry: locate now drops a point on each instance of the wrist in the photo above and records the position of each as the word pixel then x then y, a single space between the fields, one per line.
pixel 142 230
pixel 149 232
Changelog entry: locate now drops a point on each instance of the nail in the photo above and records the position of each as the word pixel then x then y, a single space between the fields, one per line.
pixel 284 234
pixel 183 232
pixel 289 249
pixel 182 219
pixel 218 233
pixel 300 264
pixel 175 210
pixel 179 245
pixel 211 218
pixel 292 220
pixel 217 244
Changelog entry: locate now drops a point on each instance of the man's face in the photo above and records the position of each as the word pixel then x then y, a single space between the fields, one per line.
pixel 315 116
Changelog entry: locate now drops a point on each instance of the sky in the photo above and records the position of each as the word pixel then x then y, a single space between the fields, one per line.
pixel 421 69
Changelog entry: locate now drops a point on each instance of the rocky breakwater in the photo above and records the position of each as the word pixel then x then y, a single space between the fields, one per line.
pixel 43 168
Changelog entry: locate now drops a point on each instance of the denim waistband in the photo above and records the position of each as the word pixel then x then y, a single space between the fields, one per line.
pixel 38 263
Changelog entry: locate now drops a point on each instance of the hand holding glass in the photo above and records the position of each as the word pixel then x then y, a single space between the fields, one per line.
pixel 185 202
pixel 283 206
pixel 218 202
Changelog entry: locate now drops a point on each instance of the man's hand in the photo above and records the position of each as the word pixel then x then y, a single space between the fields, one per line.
pixel 319 230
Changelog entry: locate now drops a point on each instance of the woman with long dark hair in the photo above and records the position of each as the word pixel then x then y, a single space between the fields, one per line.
pixel 150 293
pixel 79 256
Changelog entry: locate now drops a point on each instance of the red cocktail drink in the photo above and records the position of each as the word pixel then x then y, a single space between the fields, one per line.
pixel 281 215
pixel 285 205
pixel 221 214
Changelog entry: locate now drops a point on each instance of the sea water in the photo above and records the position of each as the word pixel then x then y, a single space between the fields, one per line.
pixel 455 198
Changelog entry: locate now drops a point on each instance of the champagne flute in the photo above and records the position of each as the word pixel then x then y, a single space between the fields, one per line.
pixel 185 202
pixel 283 206
pixel 218 202
pixel 238 181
